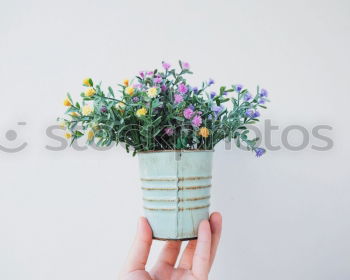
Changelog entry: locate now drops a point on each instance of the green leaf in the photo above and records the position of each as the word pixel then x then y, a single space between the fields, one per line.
pixel 111 92
pixel 157 132
pixel 222 90
pixel 181 119
pixel 78 134
pixel 225 100
pixel 72 109
pixel 70 98
pixel 178 143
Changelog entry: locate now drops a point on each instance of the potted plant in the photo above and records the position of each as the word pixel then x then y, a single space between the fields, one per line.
pixel 173 127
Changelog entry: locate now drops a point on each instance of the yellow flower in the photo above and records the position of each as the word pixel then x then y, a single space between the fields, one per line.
pixel 62 124
pixel 87 82
pixel 120 107
pixel 126 82
pixel 87 110
pixel 90 92
pixel 141 112
pixel 67 103
pixel 152 92
pixel 90 135
pixel 74 114
pixel 204 132
pixel 129 90
pixel 68 135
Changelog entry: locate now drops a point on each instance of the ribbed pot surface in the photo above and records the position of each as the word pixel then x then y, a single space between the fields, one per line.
pixel 176 191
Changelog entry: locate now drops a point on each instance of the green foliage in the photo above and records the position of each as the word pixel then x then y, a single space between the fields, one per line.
pixel 144 115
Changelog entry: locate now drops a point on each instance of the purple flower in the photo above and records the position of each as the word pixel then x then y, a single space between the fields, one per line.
pixel 212 94
pixel 211 82
pixel 178 98
pixel 103 109
pixel 262 101
pixel 191 107
pixel 247 96
pixel 169 131
pixel 263 93
pixel 139 86
pixel 149 73
pixel 239 87
pixel 256 114
pixel 135 99
pixel 142 74
pixel 197 121
pixel 166 66
pixel 182 88
pixel 259 152
pixel 163 87
pixel 188 113
pixel 185 65
pixel 157 80
pixel 250 113
pixel 224 93
pixel 195 90
pixel 216 109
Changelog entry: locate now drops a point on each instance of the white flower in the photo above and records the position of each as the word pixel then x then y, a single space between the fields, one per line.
pixel 152 92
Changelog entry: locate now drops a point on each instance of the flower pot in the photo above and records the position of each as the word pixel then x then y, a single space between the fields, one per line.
pixel 176 191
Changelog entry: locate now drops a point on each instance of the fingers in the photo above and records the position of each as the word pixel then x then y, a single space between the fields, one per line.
pixel 140 249
pixel 187 255
pixel 201 258
pixel 170 253
pixel 216 227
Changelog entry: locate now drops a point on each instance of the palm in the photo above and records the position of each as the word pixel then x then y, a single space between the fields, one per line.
pixel 139 274
pixel 195 261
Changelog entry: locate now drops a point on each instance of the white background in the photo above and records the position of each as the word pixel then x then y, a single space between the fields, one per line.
pixel 72 215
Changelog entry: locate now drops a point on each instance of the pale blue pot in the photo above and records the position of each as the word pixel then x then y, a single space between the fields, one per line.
pixel 176 191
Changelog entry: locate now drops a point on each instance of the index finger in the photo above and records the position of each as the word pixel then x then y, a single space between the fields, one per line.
pixel 201 258
pixel 140 249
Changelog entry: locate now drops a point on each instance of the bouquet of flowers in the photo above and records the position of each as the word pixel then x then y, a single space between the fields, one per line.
pixel 173 127
pixel 161 110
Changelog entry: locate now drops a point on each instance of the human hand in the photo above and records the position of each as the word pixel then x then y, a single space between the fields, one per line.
pixel 195 262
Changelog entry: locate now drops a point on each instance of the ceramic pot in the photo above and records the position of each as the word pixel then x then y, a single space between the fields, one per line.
pixel 176 191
